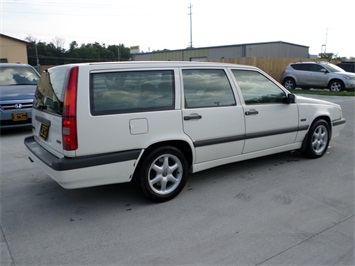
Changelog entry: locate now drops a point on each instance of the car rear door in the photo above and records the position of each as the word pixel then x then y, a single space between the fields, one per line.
pixel 301 73
pixel 48 109
pixel 212 117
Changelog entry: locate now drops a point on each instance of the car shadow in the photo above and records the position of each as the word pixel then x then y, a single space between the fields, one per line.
pixel 15 131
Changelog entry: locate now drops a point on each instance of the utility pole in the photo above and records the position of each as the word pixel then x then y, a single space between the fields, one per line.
pixel 323 51
pixel 37 60
pixel 190 14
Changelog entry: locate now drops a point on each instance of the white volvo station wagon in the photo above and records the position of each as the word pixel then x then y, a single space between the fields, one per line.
pixel 152 123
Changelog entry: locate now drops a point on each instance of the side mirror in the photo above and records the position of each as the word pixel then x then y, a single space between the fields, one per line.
pixel 291 98
pixel 324 71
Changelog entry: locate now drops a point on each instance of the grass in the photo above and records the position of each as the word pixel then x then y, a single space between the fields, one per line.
pixel 324 92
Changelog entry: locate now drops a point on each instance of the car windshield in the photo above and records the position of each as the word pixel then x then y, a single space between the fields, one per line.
pixel 17 75
pixel 333 68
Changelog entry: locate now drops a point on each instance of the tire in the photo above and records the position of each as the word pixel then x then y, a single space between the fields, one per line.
pixel 162 174
pixel 336 85
pixel 317 139
pixel 289 83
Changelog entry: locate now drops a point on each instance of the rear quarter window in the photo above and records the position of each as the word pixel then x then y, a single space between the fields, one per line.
pixel 131 91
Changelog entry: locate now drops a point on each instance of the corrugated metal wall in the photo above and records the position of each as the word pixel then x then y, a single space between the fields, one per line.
pixel 271 49
pixel 276 50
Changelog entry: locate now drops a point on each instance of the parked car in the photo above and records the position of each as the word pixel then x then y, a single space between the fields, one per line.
pixel 152 123
pixel 317 75
pixel 17 86
pixel 348 66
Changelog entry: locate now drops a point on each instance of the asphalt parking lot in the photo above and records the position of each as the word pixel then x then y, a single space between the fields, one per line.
pixel 277 210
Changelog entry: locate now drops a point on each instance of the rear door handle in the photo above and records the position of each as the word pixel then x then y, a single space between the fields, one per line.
pixel 251 112
pixel 192 117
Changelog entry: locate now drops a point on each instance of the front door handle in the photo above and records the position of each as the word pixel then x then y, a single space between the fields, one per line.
pixel 251 112
pixel 192 117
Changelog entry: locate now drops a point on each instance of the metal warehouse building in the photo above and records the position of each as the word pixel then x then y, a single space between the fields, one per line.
pixel 265 49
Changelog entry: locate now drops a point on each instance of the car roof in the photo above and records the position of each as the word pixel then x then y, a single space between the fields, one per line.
pixel 163 64
pixel 311 62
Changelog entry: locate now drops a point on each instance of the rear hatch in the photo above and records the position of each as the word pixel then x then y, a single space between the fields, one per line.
pixel 48 107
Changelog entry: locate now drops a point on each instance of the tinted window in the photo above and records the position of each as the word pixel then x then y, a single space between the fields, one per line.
pixel 316 68
pixel 302 67
pixel 207 88
pixel 257 89
pixel 50 90
pixel 132 91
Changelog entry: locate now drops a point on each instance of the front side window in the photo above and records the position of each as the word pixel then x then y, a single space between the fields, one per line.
pixel 207 88
pixel 317 68
pixel 258 89
pixel 132 91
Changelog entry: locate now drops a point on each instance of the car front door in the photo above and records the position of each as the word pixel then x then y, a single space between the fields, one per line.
pixel 318 76
pixel 270 122
pixel 212 117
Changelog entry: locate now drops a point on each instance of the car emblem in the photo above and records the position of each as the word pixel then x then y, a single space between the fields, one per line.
pixel 18 106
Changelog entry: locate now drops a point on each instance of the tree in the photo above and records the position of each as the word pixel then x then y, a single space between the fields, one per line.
pixel 54 53
pixel 59 42
pixel 330 56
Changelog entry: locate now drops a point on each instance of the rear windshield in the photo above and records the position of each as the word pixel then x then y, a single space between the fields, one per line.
pixel 50 90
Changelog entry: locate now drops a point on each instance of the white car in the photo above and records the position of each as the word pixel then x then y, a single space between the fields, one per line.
pixel 154 122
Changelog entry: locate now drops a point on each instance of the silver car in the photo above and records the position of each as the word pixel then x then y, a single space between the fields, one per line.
pixel 317 75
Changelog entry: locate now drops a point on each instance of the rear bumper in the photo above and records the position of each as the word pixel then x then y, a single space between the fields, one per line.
pixel 84 171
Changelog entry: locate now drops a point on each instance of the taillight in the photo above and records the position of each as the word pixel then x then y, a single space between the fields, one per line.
pixel 69 126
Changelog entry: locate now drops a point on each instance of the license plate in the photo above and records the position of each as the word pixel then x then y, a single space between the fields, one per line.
pixel 43 132
pixel 19 116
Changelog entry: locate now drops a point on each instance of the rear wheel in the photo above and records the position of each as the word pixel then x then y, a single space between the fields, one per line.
pixel 317 140
pixel 162 174
pixel 289 83
pixel 336 85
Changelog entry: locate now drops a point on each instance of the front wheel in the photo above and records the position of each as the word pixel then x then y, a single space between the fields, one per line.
pixel 317 140
pixel 162 174
pixel 336 86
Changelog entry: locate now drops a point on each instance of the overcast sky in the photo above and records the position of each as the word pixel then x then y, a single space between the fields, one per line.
pixel 165 24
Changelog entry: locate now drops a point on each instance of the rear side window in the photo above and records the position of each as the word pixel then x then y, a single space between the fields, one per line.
pixel 207 88
pixel 131 91
pixel 50 91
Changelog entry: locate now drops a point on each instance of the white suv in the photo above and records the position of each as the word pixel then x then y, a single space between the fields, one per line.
pixel 154 122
